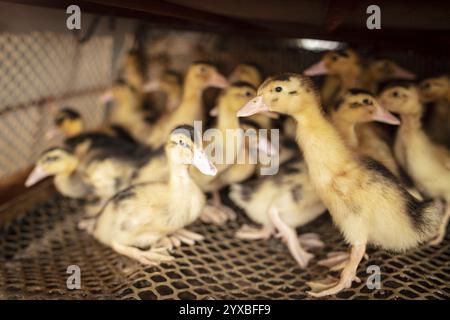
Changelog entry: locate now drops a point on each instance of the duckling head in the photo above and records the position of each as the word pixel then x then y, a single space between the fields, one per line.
pixel 334 63
pixel 401 98
pixel 184 148
pixel 168 82
pixel 238 94
pixel 433 89
pixel 360 106
pixel 54 161
pixel 202 75
pixel 288 93
pixel 69 122
pixel 385 69
pixel 247 72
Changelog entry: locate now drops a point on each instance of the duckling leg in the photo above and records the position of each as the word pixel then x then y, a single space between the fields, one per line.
pixel 216 212
pixel 153 256
pixel 247 232
pixel 348 275
pixel 337 260
pixel 442 228
pixel 310 241
pixel 290 236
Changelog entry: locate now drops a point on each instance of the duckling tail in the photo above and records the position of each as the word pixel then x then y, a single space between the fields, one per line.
pixel 428 218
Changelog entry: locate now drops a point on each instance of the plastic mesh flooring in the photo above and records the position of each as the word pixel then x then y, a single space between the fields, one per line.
pixel 37 247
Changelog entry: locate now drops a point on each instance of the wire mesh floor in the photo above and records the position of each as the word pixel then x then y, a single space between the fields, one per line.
pixel 37 248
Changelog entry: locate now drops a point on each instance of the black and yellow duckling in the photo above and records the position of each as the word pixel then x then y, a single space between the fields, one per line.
pixel 199 76
pixel 62 164
pixel 366 202
pixel 426 162
pixel 281 203
pixel 69 123
pixel 155 214
pixel 436 91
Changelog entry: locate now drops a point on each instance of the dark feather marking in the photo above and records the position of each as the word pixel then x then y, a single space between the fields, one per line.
pixel 355 91
pixel 293 92
pixel 241 84
pixel 296 192
pixel 249 122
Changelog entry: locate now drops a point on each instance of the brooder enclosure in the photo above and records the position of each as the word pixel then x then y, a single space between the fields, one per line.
pixel 46 68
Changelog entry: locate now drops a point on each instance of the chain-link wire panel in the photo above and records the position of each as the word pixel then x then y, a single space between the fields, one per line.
pixel 39 68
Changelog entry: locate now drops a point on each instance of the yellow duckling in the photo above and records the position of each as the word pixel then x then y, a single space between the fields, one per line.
pixel 437 91
pixel 199 77
pixel 147 215
pixel 365 200
pixel 62 165
pixel 427 163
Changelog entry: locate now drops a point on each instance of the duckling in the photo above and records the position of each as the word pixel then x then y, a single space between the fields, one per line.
pixel 427 163
pixel 344 65
pixel 170 84
pixel 70 124
pixel 382 70
pixel 229 172
pixel 252 74
pixel 199 77
pixel 144 215
pixel 133 70
pixel 437 91
pixel 62 165
pixel 365 200
pixel 247 72
pixel 281 202
pixel 358 107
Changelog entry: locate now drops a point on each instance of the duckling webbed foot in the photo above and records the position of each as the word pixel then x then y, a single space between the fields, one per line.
pixel 290 236
pixel 330 286
pixel 179 237
pixel 310 241
pixel 337 260
pixel 217 215
pixel 87 225
pixel 152 256
pixel 442 228
pixel 247 232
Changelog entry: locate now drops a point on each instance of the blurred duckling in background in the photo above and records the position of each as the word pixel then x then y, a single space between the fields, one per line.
pixel 344 65
pixel 69 123
pixel 247 72
pixel 382 70
pixel 62 165
pixel 153 215
pixel 170 84
pixel 427 163
pixel 365 200
pixel 281 203
pixel 229 102
pixel 199 77
pixel 357 107
pixel 437 91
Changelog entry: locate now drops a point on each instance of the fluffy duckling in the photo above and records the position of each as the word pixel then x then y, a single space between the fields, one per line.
pixel 69 123
pixel 437 91
pixel 144 215
pixel 199 77
pixel 343 65
pixel 281 202
pixel 247 72
pixel 133 70
pixel 62 165
pixel 427 163
pixel 365 200
pixel 357 107
pixel 382 70
pixel 252 74
pixel 229 172
pixel 170 84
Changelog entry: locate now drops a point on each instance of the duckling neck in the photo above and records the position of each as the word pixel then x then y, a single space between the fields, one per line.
pixel 226 118
pixel 191 102
pixel 179 181
pixel 346 129
pixel 173 97
pixel 350 78
pixel 411 122
pixel 323 148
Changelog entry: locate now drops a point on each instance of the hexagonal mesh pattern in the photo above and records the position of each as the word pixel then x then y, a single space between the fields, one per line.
pixel 37 248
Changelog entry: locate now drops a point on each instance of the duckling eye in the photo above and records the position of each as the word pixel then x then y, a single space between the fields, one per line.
pixel 395 94
pixel 248 94
pixel 202 69
pixel 51 158
pixel 278 89
pixel 366 101
pixel 334 58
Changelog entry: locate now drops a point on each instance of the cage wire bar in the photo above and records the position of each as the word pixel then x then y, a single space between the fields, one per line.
pixel 39 244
